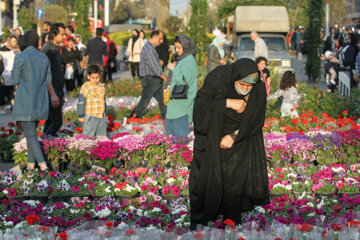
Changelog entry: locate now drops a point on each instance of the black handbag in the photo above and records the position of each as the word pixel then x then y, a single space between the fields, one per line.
pixel 180 91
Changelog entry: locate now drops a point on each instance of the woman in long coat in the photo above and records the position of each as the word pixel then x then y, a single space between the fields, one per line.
pixel 228 174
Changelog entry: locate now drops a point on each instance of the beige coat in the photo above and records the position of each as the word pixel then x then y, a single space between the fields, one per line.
pixel 134 56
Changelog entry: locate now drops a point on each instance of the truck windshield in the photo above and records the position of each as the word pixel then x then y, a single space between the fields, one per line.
pixel 273 44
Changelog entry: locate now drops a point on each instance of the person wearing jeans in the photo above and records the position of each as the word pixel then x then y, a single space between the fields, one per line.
pixel 32 74
pixel 152 76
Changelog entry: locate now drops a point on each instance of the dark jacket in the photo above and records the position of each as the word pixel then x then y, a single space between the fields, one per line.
pixel 57 67
pixel 96 49
pixel 163 51
pixel 71 57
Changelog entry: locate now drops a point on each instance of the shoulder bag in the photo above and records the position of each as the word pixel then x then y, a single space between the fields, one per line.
pixel 180 91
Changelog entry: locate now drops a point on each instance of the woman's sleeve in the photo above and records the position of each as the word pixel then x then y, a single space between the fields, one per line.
pixel 129 47
pixel 16 71
pixel 210 105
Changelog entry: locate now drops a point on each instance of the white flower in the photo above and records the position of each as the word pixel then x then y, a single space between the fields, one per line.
pixel 108 190
pixel 132 208
pixel 6 192
pixel 103 213
pixel 73 211
pixel 288 187
pixel 66 204
pixel 156 209
pixel 170 181
pixel 312 214
pixel 65 185
pixel 320 204
pixel 291 175
pixel 81 179
pixel 260 209
pixel 43 183
pixel 32 203
pixel 302 195
pixel 140 212
pixel 310 204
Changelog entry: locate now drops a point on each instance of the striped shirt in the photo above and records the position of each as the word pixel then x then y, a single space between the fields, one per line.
pixel 149 61
pixel 357 64
pixel 95 99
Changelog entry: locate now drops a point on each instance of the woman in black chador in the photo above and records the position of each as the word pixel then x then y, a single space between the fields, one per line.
pixel 228 174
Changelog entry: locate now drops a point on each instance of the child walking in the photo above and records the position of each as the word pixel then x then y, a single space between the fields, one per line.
pixel 289 93
pixel 91 104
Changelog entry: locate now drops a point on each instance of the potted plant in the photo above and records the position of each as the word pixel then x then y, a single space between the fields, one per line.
pixel 125 191
pixel 56 152
pixel 279 190
pixel 350 189
pixel 298 188
pixel 103 189
pixel 324 189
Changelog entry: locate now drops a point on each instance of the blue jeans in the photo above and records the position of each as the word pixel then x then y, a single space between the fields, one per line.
pixel 152 87
pixel 177 127
pixel 33 146
pixel 94 126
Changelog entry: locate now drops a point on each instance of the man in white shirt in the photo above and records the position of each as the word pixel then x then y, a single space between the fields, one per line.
pixel 260 49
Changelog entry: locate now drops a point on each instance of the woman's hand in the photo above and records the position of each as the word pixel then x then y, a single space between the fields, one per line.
pixel 223 61
pixel 226 142
pixel 334 60
pixel 238 105
pixel 171 66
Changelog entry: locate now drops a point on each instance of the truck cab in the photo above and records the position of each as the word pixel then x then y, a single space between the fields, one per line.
pixel 272 24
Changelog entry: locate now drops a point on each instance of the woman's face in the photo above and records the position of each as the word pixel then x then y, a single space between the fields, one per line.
pixel 134 34
pixel 244 86
pixel 142 35
pixel 262 65
pixel 179 49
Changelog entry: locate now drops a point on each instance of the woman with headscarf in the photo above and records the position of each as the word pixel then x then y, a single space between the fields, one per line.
pixel 109 60
pixel 135 45
pixel 228 173
pixel 180 111
pixel 216 53
pixel 345 60
pixel 32 74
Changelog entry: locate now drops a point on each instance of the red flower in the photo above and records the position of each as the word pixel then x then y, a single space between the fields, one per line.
pixel 43 229
pixel 345 112
pixel 198 235
pixel 5 202
pixel 109 224
pixel 336 227
pixel 75 188
pixel 77 129
pixel 10 124
pixel 353 223
pixel 130 232
pixel 295 121
pixel 63 236
pixel 277 238
pixel 32 218
pixel 41 123
pixel 228 221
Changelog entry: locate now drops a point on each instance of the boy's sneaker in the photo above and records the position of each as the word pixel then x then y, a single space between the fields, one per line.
pixel 333 82
pixel 8 107
pixel 2 112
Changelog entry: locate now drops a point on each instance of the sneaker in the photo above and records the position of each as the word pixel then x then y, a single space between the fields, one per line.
pixel 2 112
pixel 8 107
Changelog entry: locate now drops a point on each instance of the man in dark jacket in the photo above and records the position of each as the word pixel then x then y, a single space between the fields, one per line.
pixel 51 49
pixel 163 52
pixel 96 50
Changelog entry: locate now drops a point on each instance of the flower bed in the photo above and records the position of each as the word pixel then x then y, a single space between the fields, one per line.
pixel 99 196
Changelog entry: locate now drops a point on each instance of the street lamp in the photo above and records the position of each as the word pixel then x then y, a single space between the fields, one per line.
pixel 16 3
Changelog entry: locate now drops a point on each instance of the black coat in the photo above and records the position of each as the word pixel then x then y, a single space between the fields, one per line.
pixel 238 174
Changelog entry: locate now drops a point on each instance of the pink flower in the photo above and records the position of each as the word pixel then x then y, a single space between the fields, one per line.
pixel 75 188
